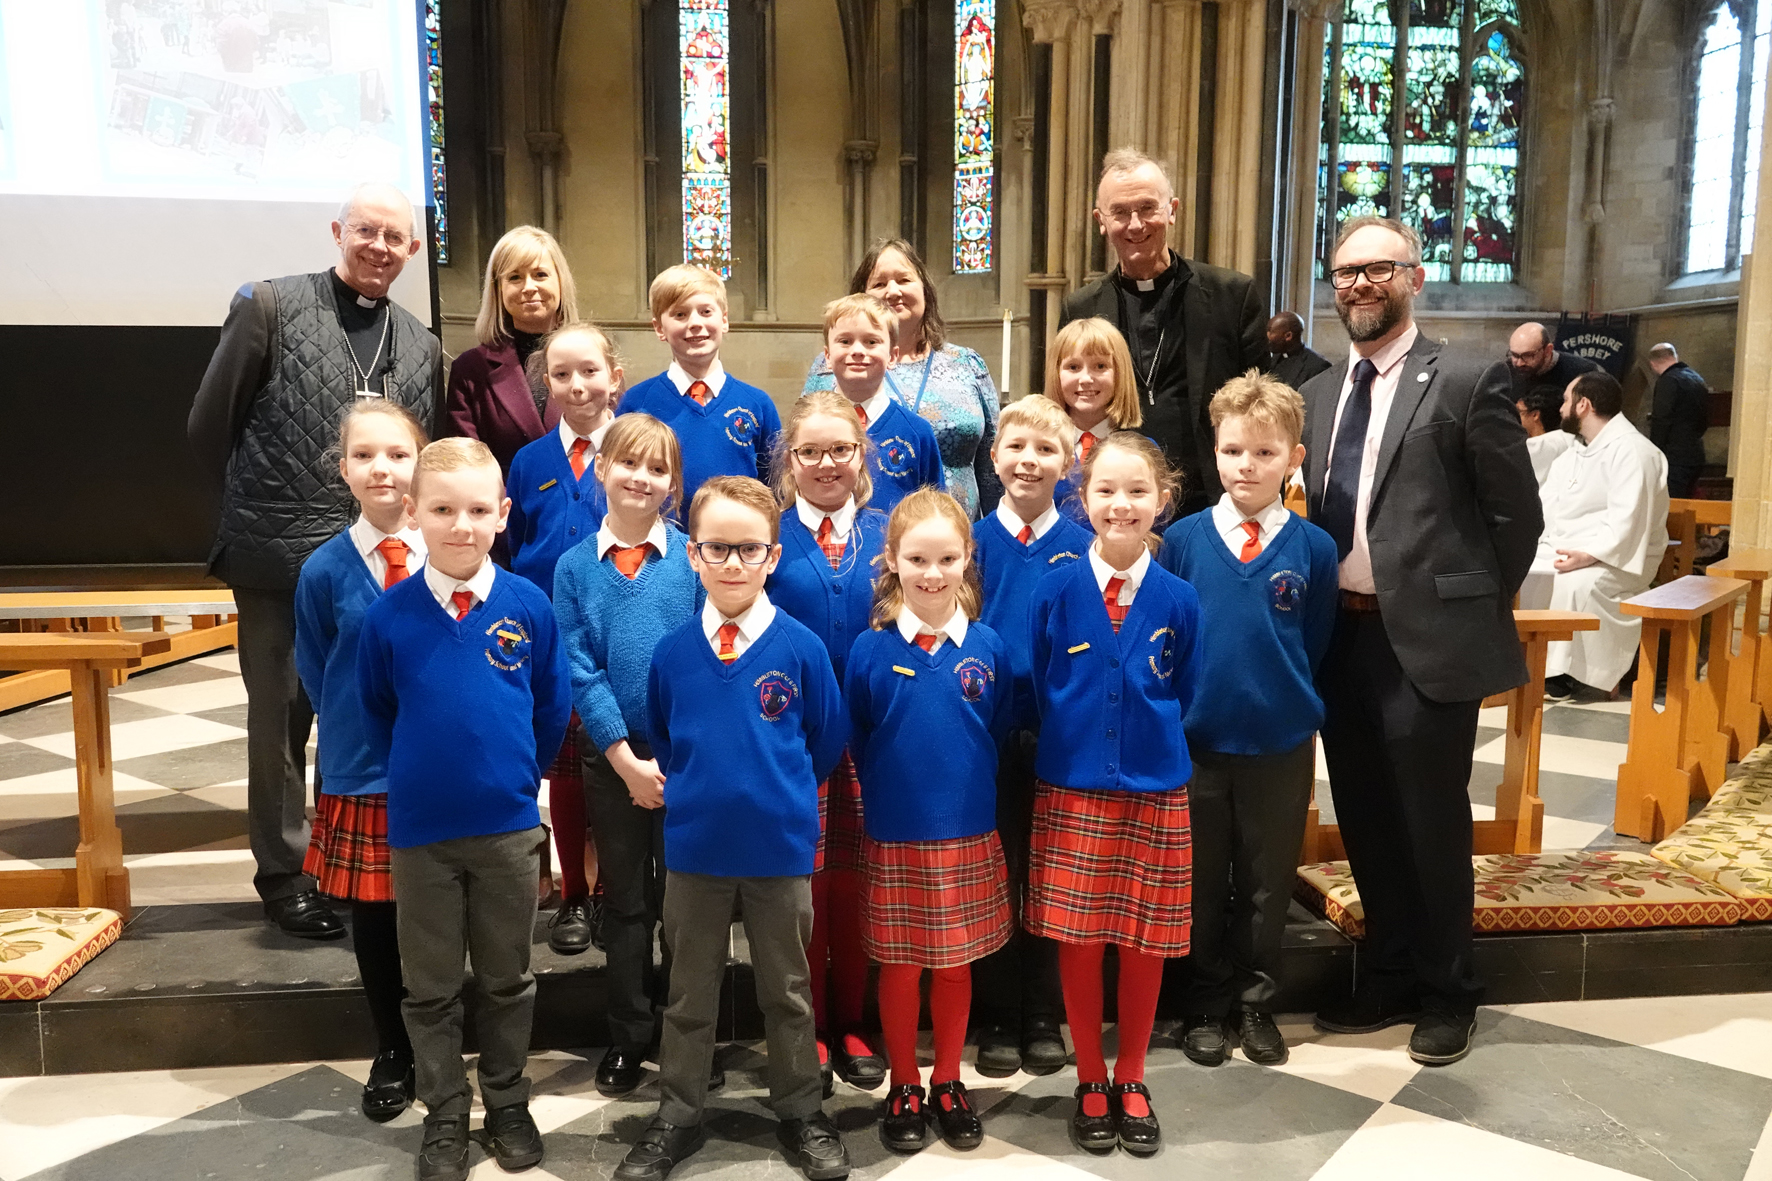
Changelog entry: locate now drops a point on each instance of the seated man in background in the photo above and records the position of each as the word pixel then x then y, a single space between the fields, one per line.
pixel 1541 413
pixel 1605 529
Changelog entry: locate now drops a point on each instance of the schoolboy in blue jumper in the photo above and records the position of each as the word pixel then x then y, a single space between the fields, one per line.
pixel 557 503
pixel 858 343
pixel 726 427
pixel 616 599
pixel 379 442
pixel 1016 988
pixel 1267 580
pixel 746 718
pixel 465 693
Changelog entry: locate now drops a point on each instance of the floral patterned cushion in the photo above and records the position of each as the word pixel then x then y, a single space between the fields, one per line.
pixel 1730 846
pixel 41 949
pixel 1578 891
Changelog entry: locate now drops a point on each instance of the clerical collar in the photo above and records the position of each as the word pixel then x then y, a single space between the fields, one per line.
pixel 347 292
pixel 1146 286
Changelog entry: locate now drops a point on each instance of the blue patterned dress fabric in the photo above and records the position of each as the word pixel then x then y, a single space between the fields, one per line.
pixel 960 402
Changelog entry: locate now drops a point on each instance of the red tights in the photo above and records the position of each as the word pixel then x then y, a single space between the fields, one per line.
pixel 950 1001
pixel 838 990
pixel 1141 978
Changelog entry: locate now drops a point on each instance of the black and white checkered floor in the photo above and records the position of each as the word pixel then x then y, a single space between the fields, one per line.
pixel 1669 1088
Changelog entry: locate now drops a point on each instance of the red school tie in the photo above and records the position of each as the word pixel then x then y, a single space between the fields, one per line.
pixel 700 392
pixel 1110 598
pixel 1026 536
pixel 833 550
pixel 861 413
pixel 1252 547
pixel 629 559
pixel 576 457
pixel 927 641
pixel 394 551
pixel 1084 442
pixel 728 633
pixel 464 602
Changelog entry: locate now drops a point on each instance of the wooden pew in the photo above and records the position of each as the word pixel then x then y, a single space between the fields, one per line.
pixel 98 877
pixel 1518 826
pixel 1678 751
pixel 1750 690
pixel 57 612
pixel 1685 518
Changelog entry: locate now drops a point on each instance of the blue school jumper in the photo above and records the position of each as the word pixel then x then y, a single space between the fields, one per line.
pixel 924 729
pixel 733 435
pixel 743 747
pixel 1271 621
pixel 833 604
pixel 465 713
pixel 610 625
pixel 1111 705
pixel 1009 572
pixel 334 591
pixel 551 511
pixel 1068 493
pixel 906 456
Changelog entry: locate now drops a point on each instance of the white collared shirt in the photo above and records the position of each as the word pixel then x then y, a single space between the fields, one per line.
pixel 443 587
pixel 568 437
pixel 366 537
pixel 716 378
pixel 1356 568
pixel 751 624
pixel 1100 430
pixel 1228 519
pixel 952 632
pixel 1105 573
pixel 1011 520
pixel 607 540
pixel 877 405
pixel 841 520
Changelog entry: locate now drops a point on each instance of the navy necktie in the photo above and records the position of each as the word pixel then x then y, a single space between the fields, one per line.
pixel 1341 493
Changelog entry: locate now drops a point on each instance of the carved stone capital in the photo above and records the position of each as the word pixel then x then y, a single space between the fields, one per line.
pixel 860 151
pixel 1102 15
pixel 1594 213
pixel 1022 128
pixel 1049 20
pixel 546 144
pixel 1322 10
pixel 1599 112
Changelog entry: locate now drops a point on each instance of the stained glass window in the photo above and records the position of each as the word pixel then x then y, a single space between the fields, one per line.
pixel 1720 218
pixel 434 125
pixel 974 156
pixel 703 48
pixel 1447 165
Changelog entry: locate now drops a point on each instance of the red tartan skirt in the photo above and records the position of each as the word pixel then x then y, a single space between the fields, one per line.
pixel 1111 867
pixel 348 848
pixel 935 904
pixel 840 835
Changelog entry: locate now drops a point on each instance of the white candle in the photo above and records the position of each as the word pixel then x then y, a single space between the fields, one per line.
pixel 1008 344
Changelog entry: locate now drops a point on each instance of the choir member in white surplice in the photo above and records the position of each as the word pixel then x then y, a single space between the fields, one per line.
pixel 1605 529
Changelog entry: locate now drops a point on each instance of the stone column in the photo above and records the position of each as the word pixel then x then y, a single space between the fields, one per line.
pixel 542 135
pixel 860 154
pixel 1237 134
pixel 1051 22
pixel 1298 275
pixel 1750 427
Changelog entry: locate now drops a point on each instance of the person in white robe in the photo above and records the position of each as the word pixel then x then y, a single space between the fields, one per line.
pixel 1605 530
pixel 1541 413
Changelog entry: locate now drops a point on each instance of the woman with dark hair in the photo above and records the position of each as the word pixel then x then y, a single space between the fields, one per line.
pixel 945 383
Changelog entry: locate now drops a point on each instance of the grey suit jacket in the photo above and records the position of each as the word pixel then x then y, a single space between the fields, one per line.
pixel 1453 519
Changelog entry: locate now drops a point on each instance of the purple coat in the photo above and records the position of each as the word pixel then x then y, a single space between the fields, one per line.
pixel 489 400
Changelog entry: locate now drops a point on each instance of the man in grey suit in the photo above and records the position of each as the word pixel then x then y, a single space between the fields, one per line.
pixel 1417 466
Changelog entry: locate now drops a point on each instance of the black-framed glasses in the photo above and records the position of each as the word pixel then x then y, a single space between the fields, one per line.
pixel 1379 271
pixel 715 553
pixel 813 456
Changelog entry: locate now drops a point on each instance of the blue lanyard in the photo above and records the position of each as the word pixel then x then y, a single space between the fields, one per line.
pixel 916 406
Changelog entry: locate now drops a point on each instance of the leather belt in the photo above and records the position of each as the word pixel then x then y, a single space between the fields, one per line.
pixel 1358 602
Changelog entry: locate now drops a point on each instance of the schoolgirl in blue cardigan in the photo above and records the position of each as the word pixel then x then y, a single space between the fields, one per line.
pixel 1089 373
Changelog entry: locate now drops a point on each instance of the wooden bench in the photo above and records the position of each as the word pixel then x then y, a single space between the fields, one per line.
pixel 1518 826
pixel 1685 519
pixel 1680 750
pixel 98 877
pixel 1750 669
pixel 101 612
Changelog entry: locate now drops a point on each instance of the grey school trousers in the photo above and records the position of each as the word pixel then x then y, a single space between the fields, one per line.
pixel 697 927
pixel 472 897
pixel 278 722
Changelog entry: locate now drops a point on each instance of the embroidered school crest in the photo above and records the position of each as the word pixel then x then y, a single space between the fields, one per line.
pixel 507 645
pixel 975 677
pixel 742 426
pixel 895 455
pixel 1162 660
pixel 775 692
pixel 1287 588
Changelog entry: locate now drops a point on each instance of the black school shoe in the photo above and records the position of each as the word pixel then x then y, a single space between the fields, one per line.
pixel 999 1051
pixel 1372 1007
pixel 958 1123
pixel 661 1147
pixel 305 916
pixel 902 1126
pixel 512 1136
pixel 1203 1039
pixel 443 1152
pixel 1094 1133
pixel 814 1147
pixel 1263 1044
pixel 1139 1134
pixel 619 1072
pixel 569 931
pixel 1042 1047
pixel 864 1071
pixel 1441 1039
pixel 390 1086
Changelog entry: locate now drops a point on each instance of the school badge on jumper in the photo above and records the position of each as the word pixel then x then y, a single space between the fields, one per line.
pixel 1163 659
pixel 975 677
pixel 1287 588
pixel 508 646
pixel 742 426
pixel 775 692
pixel 895 455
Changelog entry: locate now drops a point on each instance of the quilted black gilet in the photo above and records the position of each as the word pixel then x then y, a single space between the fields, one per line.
pixel 282 496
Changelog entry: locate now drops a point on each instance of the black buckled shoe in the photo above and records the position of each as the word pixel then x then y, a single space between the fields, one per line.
pixel 1094 1133
pixel 1441 1038
pixel 1139 1134
pixel 863 1071
pixel 443 1153
pixel 814 1146
pixel 902 1125
pixel 1202 1038
pixel 999 1051
pixel 304 916
pixel 661 1148
pixel 1371 1008
pixel 1042 1047
pixel 1263 1044
pixel 569 931
pixel 954 1117
pixel 390 1086
pixel 619 1072
pixel 512 1136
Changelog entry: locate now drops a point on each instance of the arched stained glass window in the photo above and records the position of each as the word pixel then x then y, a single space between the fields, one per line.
pixel 1421 121
pixel 704 50
pixel 1731 92
pixel 975 52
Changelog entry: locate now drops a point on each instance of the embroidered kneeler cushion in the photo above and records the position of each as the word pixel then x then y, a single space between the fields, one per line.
pixel 40 949
pixel 1730 848
pixel 1575 891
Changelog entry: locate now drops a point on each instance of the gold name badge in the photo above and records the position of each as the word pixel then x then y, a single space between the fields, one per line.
pixel 1078 648
pixel 899 668
pixel 547 485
